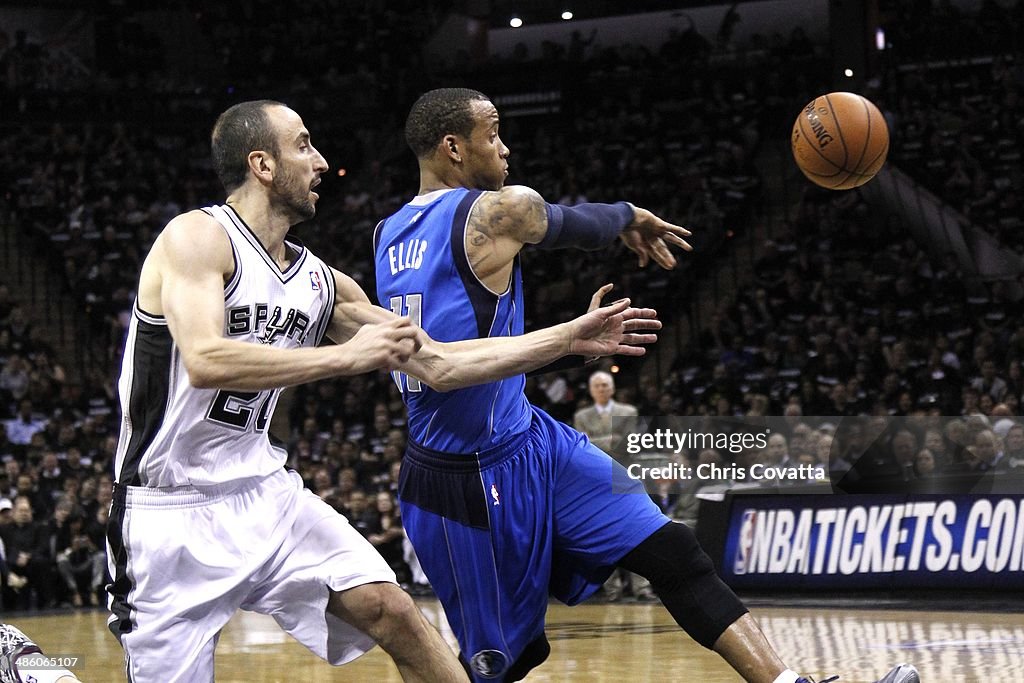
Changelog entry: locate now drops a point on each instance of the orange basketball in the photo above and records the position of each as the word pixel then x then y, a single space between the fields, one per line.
pixel 840 140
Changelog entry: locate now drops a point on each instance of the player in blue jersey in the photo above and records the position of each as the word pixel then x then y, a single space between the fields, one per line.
pixel 503 504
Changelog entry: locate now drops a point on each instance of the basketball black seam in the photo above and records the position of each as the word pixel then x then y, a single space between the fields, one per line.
pixel 867 136
pixel 839 132
pixel 869 175
pixel 823 175
pixel 818 151
pixel 849 174
pixel 880 155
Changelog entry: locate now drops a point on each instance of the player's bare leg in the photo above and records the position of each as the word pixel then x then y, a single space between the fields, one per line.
pixel 747 650
pixel 388 615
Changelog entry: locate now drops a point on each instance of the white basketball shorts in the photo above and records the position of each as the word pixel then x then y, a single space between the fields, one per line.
pixel 183 560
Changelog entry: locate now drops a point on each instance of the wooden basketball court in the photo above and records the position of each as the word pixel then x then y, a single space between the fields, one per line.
pixel 613 643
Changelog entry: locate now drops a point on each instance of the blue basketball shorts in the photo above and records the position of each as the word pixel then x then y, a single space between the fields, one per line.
pixel 498 531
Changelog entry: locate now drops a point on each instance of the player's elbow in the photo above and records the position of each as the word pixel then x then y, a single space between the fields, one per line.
pixel 438 379
pixel 201 370
pixel 443 383
pixel 435 366
pixel 201 377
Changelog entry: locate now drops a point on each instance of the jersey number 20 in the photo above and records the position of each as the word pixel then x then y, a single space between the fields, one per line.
pixel 240 409
pixel 413 307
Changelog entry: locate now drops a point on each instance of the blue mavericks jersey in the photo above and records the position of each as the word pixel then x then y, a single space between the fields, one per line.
pixel 423 272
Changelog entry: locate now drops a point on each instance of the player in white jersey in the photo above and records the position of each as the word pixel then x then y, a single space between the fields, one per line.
pixel 205 518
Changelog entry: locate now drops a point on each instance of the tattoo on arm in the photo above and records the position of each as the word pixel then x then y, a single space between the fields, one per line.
pixel 516 213
pixel 478 236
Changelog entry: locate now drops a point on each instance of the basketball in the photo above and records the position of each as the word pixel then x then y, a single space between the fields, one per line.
pixel 840 140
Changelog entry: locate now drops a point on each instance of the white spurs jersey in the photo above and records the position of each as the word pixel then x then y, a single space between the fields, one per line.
pixel 173 434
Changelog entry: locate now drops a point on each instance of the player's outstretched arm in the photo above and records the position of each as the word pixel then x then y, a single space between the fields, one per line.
pixel 614 329
pixel 502 221
pixel 183 280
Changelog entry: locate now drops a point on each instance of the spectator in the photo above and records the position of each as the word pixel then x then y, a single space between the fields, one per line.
pixel 59 534
pixel 989 383
pixel 49 482
pixel 777 453
pixel 79 564
pixel 987 453
pixel 1014 448
pixel 30 583
pixel 600 422
pixel 925 466
pixel 904 446
pixel 25 424
pixel 14 379
pixel 385 534
pixel 358 512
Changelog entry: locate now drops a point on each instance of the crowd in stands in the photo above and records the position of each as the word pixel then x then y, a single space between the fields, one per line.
pixel 962 126
pixel 840 317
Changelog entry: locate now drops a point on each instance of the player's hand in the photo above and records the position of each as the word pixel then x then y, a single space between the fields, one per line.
pixel 614 329
pixel 648 237
pixel 383 345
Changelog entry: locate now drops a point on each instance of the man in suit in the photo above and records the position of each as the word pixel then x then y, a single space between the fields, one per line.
pixel 599 424
pixel 597 421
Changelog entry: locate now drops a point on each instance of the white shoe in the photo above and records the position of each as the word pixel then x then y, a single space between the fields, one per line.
pixel 904 673
pixel 13 644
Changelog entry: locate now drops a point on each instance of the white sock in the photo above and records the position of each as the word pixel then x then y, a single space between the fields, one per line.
pixel 787 676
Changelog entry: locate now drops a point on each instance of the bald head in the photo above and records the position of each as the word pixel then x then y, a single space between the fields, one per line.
pixel 602 387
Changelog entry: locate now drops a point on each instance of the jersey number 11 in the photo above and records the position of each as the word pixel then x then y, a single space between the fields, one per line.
pixel 412 307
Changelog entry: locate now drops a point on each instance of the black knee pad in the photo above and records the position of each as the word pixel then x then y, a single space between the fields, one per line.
pixel 683 577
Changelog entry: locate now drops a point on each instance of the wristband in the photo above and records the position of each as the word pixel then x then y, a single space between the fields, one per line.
pixel 585 226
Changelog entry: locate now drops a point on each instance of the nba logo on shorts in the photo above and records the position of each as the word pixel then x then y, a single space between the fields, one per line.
pixel 745 542
pixel 314 280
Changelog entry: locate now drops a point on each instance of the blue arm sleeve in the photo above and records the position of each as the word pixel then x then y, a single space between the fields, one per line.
pixel 585 226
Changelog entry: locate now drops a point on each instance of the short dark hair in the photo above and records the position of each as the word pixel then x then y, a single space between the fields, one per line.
pixel 438 113
pixel 242 128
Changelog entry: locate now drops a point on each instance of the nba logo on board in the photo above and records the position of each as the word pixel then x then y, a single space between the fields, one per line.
pixel 494 495
pixel 745 543
pixel 314 280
